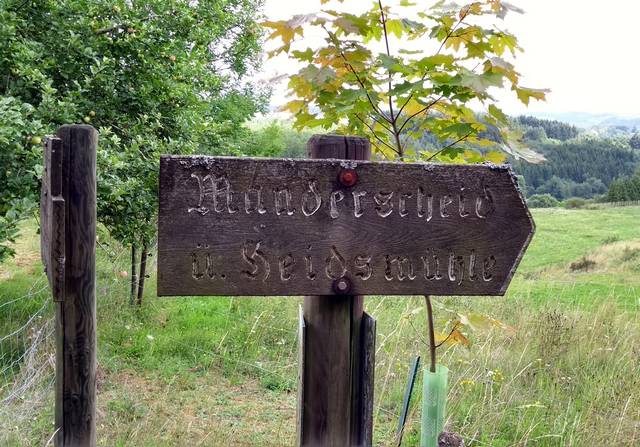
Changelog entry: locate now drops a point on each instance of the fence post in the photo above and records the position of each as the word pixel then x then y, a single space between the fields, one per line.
pixel 336 395
pixel 75 405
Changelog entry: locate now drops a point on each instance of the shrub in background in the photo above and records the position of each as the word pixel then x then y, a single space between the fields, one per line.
pixel 543 201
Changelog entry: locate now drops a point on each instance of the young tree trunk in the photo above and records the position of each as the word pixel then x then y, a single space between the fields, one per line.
pixel 134 277
pixel 432 335
pixel 143 267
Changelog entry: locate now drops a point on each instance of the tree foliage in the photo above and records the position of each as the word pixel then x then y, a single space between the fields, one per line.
pixel 393 73
pixel 582 167
pixel 625 188
pixel 278 139
pixel 19 166
pixel 154 76
pixel 543 201
pixel 537 127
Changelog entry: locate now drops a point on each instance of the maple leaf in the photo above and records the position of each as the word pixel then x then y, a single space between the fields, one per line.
pixel 287 29
pixel 524 94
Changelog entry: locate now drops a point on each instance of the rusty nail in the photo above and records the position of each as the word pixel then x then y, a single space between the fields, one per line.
pixel 348 177
pixel 342 286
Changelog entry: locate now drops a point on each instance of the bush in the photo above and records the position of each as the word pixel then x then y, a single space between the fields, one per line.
pixel 600 198
pixel 575 203
pixel 625 189
pixel 582 265
pixel 542 201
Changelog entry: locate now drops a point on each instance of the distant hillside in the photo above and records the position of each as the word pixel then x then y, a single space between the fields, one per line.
pixel 590 120
pixel 581 167
pixel 538 129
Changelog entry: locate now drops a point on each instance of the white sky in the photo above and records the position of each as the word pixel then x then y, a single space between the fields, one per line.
pixel 586 51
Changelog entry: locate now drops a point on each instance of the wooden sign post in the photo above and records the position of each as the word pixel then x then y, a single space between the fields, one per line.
pixel 68 234
pixel 335 405
pixel 334 229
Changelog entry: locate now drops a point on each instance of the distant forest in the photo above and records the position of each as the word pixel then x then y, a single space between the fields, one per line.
pixel 579 163
pixel 539 129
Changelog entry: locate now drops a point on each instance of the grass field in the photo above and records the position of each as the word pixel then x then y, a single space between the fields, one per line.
pixel 221 371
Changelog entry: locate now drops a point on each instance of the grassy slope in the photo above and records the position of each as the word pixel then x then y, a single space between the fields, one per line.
pixel 202 371
pixel 563 237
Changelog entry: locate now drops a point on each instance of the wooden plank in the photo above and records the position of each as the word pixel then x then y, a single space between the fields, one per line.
pixel 75 313
pixel 302 336
pixel 326 408
pixel 367 379
pixel 53 217
pixel 231 226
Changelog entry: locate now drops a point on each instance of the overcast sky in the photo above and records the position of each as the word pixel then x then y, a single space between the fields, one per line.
pixel 586 51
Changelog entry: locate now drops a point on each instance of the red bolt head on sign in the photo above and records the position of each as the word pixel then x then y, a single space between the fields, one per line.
pixel 348 177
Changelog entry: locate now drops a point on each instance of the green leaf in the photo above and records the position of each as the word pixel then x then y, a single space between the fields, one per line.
pixel 500 41
pixel 524 94
pixel 430 62
pixel 495 157
pixel 481 82
pixel 305 56
pixel 405 51
pixel 413 26
pixel 351 24
pixel 498 114
pixel 388 62
pixel 406 86
pixel 395 26
pixel 472 156
pixel 287 29
pixel 458 129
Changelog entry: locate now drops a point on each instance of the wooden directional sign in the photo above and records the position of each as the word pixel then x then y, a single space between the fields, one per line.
pixel 232 226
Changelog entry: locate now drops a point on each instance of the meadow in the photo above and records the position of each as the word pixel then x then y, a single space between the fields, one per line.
pixel 563 370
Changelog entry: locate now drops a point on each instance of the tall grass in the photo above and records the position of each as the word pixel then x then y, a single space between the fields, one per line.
pixel 564 377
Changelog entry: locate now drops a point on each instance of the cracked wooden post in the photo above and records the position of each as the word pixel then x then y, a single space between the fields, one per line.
pixel 68 235
pixel 336 394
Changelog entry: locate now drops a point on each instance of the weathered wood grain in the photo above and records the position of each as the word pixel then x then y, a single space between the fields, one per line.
pixel 367 380
pixel 334 377
pixel 230 226
pixel 328 375
pixel 75 311
pixel 302 336
pixel 52 217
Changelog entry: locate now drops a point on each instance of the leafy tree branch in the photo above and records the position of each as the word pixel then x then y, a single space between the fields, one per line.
pixel 396 97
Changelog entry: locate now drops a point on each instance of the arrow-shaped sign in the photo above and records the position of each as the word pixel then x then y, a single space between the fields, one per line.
pixel 245 226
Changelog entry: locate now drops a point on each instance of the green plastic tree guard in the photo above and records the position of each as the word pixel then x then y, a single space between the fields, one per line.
pixel 434 405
